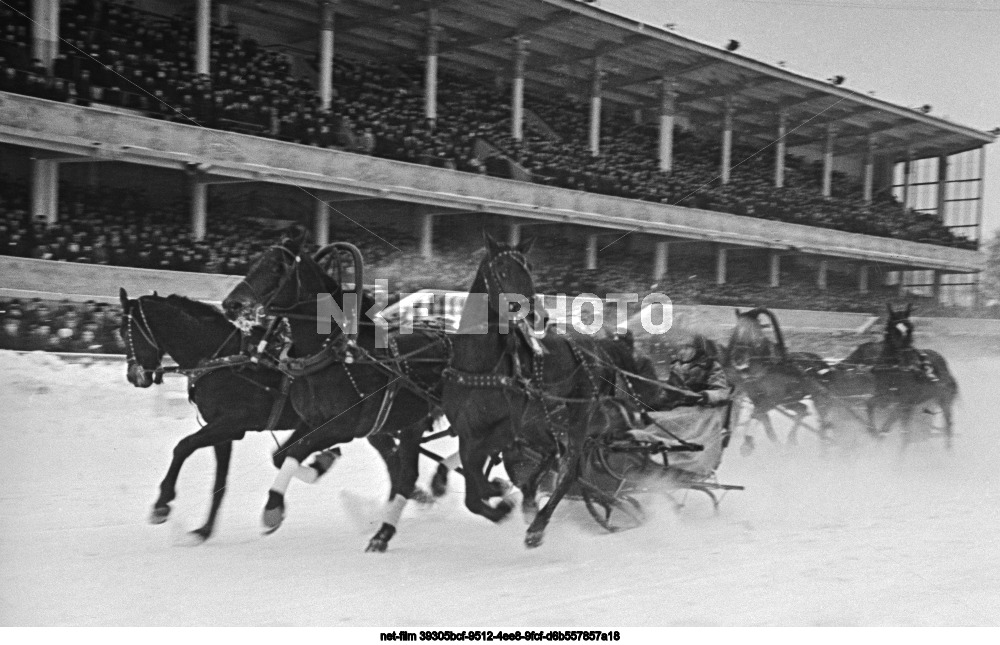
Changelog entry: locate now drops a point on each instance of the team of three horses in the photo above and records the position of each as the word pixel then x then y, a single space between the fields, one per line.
pixel 505 388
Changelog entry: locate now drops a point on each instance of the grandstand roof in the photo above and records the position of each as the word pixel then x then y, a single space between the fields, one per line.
pixel 476 38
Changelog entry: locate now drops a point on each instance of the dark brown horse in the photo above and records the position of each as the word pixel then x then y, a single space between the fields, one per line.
pixel 508 389
pixel 904 378
pixel 773 378
pixel 348 383
pixel 231 400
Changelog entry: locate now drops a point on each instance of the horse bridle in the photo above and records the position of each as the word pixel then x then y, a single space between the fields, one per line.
pixel 142 324
pixel 495 275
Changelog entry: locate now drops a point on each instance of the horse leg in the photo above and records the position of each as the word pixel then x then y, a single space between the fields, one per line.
pixel 288 458
pixel 403 464
pixel 945 405
pixel 536 530
pixel 223 451
pixel 765 420
pixel 439 483
pixel 207 436
pixel 474 457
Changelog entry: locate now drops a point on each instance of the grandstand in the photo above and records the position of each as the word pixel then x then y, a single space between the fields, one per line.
pixel 136 134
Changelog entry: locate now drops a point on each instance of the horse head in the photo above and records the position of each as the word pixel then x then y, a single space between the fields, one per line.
pixel 143 352
pixel 898 329
pixel 504 290
pixel 275 282
pixel 748 341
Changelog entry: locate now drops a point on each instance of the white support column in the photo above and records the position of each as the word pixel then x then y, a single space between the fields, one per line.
pixel 661 261
pixel 863 278
pixel 901 285
pixel 942 186
pixel 831 134
pixel 595 109
pixel 936 286
pixel 517 89
pixel 199 208
pixel 513 234
pixel 869 171
pixel 591 252
pixel 327 21
pixel 431 72
pixel 45 31
pixel 821 274
pixel 321 222
pixel 727 143
pixel 203 40
pixel 775 261
pixel 45 190
pixel 779 152
pixel 907 170
pixel 668 97
pixel 427 236
pixel 720 264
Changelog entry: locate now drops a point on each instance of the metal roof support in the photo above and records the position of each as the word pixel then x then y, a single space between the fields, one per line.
pixel 514 234
pixel 592 252
pixel 321 222
pixel 430 75
pixel 982 188
pixel 907 170
pixel 203 40
pixel 821 274
pixel 775 262
pixel 869 180
pixel 942 186
pixel 779 153
pixel 45 31
pixel 668 97
pixel 727 142
pixel 517 89
pixel 595 109
pixel 831 136
pixel 327 19
pixel 720 264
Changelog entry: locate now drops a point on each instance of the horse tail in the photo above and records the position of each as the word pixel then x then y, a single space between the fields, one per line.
pixel 778 336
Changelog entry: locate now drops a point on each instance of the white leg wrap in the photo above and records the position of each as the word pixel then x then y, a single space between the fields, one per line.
pixel 452 461
pixel 284 476
pixel 307 474
pixel 393 510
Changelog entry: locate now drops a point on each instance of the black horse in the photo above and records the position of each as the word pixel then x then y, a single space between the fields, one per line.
pixel 345 388
pixel 232 400
pixel 904 378
pixel 773 378
pixel 508 390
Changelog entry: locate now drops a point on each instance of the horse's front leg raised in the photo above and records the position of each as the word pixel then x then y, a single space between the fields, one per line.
pixel 288 458
pixel 210 434
pixel 474 455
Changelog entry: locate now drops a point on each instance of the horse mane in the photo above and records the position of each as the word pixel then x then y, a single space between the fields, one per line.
pixel 195 308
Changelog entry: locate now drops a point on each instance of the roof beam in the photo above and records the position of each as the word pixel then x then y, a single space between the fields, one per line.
pixel 525 28
pixel 608 47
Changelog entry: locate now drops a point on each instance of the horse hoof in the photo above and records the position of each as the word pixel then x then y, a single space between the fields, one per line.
pixel 380 541
pixel 274 512
pixel 159 514
pixel 502 511
pixel 439 484
pixel 420 496
pixel 533 539
pixel 201 535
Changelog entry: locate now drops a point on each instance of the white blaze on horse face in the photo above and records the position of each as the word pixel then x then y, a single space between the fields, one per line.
pixel 901 328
